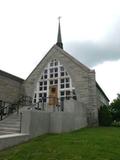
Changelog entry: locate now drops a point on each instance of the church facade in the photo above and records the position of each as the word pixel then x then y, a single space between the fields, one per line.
pixel 58 78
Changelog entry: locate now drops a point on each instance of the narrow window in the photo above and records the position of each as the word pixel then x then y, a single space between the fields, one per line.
pixel 40 88
pixel 51 75
pixel 56 75
pixel 62 73
pixel 62 85
pixel 45 82
pixel 41 83
pixel 62 93
pixel 56 81
pixel 56 69
pixel 45 76
pixel 67 85
pixel 62 80
pixel 51 82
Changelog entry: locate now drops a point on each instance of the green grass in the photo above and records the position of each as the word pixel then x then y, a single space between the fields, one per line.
pixel 85 144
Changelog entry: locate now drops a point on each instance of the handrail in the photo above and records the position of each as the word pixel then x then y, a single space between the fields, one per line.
pixel 58 104
pixel 20 121
pixel 2 111
pixel 7 110
pixel 11 107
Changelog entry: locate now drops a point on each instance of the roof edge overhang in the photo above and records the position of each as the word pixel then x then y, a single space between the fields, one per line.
pixel 13 77
pixel 98 86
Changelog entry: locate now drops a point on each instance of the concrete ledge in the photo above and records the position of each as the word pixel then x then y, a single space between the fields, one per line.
pixel 61 122
pixel 35 123
pixel 12 140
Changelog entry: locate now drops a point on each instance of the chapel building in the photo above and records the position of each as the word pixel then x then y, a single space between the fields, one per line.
pixel 59 80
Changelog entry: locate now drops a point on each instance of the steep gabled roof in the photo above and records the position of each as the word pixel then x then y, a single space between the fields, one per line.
pixel 74 60
pixel 85 68
pixel 61 51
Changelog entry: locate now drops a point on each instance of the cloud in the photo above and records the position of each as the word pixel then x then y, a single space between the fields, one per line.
pixel 108 78
pixel 93 54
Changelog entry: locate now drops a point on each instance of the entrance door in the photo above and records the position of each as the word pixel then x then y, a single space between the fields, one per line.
pixel 53 95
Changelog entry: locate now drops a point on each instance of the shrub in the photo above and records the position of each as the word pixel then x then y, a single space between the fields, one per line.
pixel 104 115
pixel 116 123
pixel 115 109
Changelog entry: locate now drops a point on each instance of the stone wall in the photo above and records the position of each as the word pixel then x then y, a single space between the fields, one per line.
pixel 10 87
pixel 36 122
pixel 83 79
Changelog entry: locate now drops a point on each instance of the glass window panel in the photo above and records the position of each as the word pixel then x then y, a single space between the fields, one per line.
pixel 67 93
pixel 51 75
pixel 62 93
pixel 45 94
pixel 62 68
pixel 67 80
pixel 40 99
pixel 40 94
pixel 45 82
pixel 51 82
pixel 73 92
pixel 45 88
pixel 56 69
pixel 40 88
pixel 62 85
pixel 35 95
pixel 34 100
pixel 45 76
pixel 56 63
pixel 67 85
pixel 41 83
pixel 51 70
pixel 62 73
pixel 56 81
pixel 45 99
pixel 62 80
pixel 56 75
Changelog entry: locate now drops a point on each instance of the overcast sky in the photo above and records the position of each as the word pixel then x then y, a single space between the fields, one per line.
pixel 90 32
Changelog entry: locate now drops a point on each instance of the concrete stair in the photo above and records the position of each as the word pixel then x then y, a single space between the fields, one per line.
pixel 10 125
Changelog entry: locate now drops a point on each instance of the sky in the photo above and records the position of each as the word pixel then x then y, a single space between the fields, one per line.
pixel 90 32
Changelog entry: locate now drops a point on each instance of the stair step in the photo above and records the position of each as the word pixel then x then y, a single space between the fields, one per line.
pixel 10 124
pixel 7 125
pixel 4 132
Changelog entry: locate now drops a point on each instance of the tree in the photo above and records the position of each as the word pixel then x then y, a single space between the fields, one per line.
pixel 105 117
pixel 115 108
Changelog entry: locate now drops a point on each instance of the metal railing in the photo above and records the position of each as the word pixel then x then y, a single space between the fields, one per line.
pixel 20 121
pixel 7 108
pixel 45 103
pixel 57 104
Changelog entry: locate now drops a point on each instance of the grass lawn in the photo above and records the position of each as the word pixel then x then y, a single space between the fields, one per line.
pixel 85 144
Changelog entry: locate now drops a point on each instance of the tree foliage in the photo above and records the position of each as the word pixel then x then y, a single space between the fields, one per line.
pixel 105 117
pixel 114 108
